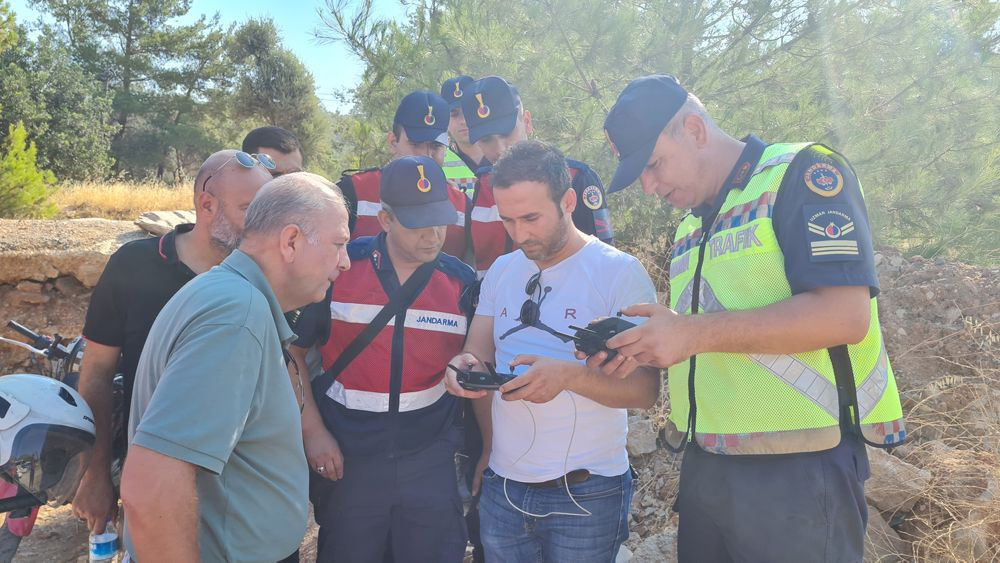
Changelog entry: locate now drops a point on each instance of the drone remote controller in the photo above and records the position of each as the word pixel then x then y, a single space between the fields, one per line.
pixel 481 380
pixel 594 337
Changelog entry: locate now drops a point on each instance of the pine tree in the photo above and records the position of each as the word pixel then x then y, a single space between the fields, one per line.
pixel 24 189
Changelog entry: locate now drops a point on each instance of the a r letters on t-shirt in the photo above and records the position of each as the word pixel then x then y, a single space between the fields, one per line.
pixel 537 442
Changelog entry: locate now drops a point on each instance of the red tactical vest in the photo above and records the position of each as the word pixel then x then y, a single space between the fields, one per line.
pixel 434 332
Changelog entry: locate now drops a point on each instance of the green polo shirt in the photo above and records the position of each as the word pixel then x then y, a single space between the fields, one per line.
pixel 211 389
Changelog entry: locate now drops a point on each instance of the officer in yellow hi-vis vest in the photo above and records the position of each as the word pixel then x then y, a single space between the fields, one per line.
pixel 778 374
pixel 463 158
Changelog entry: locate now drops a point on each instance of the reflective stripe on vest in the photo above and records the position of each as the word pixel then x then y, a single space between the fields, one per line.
pixel 379 402
pixel 797 374
pixel 361 313
pixel 747 402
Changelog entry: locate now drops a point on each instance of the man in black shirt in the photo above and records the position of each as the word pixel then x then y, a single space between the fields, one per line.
pixel 137 282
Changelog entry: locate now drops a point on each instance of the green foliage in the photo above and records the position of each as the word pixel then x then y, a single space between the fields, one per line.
pixel 8 30
pixel 274 86
pixel 908 91
pixel 62 106
pixel 24 189
pixel 160 74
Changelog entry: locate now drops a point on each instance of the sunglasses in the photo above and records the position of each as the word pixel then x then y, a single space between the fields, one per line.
pixel 246 160
pixel 532 306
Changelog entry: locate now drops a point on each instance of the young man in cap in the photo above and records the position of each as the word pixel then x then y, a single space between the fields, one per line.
pixel 420 128
pixel 463 158
pixel 386 403
pixel 772 332
pixel 280 144
pixel 558 486
pixel 497 120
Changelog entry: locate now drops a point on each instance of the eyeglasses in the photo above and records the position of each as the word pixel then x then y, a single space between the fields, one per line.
pixel 246 160
pixel 532 306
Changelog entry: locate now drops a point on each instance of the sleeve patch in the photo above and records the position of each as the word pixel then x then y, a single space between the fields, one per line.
pixel 824 179
pixel 831 233
pixel 593 198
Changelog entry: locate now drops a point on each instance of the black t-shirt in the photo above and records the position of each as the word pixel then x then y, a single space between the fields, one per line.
pixel 136 283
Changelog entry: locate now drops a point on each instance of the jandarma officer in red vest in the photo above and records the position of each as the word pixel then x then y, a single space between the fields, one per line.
pixel 387 408
pixel 778 375
pixel 419 128
pixel 497 120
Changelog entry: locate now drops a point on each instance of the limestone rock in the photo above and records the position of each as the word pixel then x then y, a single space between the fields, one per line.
pixel 28 286
pixel 657 548
pixel 641 437
pixel 26 297
pixel 883 544
pixel 160 223
pixel 41 250
pixel 894 484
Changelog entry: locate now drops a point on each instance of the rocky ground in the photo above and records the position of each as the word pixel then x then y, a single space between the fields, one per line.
pixel 935 499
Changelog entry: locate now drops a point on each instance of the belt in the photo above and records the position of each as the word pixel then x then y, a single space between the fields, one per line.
pixel 571 478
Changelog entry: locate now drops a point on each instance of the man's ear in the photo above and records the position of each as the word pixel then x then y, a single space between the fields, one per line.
pixel 206 203
pixel 384 219
pixel 568 201
pixel 290 242
pixel 392 140
pixel 695 126
pixel 528 128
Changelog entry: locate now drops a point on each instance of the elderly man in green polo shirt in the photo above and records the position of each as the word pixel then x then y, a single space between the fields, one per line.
pixel 216 469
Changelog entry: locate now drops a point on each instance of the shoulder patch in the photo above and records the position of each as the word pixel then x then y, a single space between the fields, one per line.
pixel 593 198
pixel 824 179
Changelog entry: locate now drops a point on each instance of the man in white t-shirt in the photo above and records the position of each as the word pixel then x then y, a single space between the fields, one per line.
pixel 558 485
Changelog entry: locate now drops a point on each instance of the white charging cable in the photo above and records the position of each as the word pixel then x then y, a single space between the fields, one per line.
pixel 569 447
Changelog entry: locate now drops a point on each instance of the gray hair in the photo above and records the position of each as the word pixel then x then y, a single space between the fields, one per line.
pixel 387 209
pixel 301 198
pixel 692 106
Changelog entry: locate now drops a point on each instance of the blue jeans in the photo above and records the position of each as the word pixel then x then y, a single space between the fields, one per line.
pixel 509 535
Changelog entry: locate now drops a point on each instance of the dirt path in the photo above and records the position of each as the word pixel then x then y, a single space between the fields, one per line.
pixel 59 537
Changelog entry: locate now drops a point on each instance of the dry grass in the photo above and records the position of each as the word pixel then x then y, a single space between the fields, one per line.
pixel 119 200
pixel 955 428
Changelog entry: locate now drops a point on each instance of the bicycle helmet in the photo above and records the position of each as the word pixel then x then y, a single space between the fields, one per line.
pixel 46 428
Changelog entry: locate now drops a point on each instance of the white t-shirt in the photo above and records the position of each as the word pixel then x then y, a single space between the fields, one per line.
pixel 537 442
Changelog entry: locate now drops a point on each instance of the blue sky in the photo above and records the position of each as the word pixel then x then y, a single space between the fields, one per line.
pixel 333 67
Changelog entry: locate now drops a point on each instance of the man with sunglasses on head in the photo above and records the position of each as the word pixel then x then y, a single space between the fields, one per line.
pixel 419 128
pixel 558 485
pixel 137 281
pixel 497 120
pixel 383 397
pixel 280 144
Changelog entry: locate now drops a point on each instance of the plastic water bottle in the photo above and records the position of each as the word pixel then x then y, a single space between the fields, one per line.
pixel 103 547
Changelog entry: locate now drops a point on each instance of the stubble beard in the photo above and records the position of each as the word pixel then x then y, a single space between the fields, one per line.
pixel 223 235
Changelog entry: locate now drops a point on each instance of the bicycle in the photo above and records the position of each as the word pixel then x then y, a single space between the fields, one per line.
pixel 58 358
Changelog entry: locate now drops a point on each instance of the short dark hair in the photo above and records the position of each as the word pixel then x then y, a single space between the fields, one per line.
pixel 533 161
pixel 271 137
